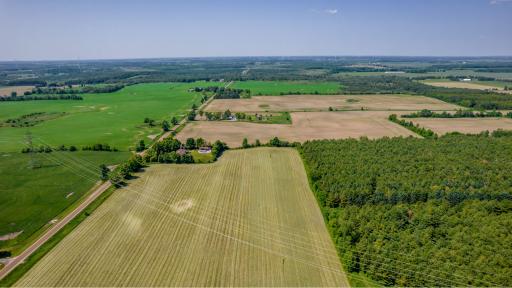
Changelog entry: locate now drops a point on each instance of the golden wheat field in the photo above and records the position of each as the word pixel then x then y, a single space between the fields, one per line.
pixel 466 85
pixel 249 219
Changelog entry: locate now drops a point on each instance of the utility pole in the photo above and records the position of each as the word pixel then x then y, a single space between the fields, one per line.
pixel 28 139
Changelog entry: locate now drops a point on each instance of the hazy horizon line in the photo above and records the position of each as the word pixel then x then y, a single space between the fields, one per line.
pixel 252 56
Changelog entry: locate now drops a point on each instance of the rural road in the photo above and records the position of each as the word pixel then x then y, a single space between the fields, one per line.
pixel 61 223
pixel 183 121
pixel 53 230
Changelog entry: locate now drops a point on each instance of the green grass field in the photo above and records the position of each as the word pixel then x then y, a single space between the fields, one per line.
pixel 288 87
pixel 215 224
pixel 30 198
pixel 202 158
pixel 113 118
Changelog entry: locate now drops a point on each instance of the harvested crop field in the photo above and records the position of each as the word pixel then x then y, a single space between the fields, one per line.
pixel 202 225
pixel 323 102
pixel 463 125
pixel 466 85
pixel 7 90
pixel 305 126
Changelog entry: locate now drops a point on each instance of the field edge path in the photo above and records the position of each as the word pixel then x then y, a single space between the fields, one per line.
pixel 16 261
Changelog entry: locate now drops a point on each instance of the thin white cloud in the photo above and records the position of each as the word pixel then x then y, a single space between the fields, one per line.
pixel 495 2
pixel 325 11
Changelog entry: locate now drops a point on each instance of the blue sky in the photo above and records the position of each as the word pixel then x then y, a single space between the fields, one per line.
pixel 99 29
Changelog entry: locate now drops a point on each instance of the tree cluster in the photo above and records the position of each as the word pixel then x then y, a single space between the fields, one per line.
pixel 171 150
pixel 124 171
pixel 40 149
pixel 31 119
pixel 99 147
pixel 424 132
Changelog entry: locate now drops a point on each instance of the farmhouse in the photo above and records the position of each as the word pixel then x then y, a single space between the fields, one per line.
pixel 205 150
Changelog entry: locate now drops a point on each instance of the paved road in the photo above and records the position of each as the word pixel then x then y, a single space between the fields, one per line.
pixel 53 230
pixel 61 223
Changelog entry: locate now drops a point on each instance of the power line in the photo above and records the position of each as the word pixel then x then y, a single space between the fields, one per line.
pixel 145 194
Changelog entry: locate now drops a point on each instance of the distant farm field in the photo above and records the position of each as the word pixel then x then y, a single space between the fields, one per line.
pixel 305 126
pixel 446 73
pixel 463 125
pixel 7 90
pixel 468 85
pixel 323 102
pixel 248 220
pixel 113 118
pixel 31 198
pixel 288 87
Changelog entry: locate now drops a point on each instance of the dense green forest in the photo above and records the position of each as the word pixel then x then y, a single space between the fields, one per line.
pixel 418 212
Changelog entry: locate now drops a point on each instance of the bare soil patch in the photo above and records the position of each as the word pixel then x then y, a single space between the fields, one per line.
pixel 323 102
pixel 463 125
pixel 6 91
pixel 10 236
pixel 182 206
pixel 305 126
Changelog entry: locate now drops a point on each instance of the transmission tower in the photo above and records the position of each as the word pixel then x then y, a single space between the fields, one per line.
pixel 28 140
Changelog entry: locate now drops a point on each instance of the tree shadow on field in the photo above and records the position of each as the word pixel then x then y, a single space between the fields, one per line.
pixel 133 177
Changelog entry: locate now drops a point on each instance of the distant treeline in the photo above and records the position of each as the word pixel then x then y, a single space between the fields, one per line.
pixel 53 89
pixel 418 212
pixel 41 97
pixel 71 148
pixel 223 93
pixel 425 113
